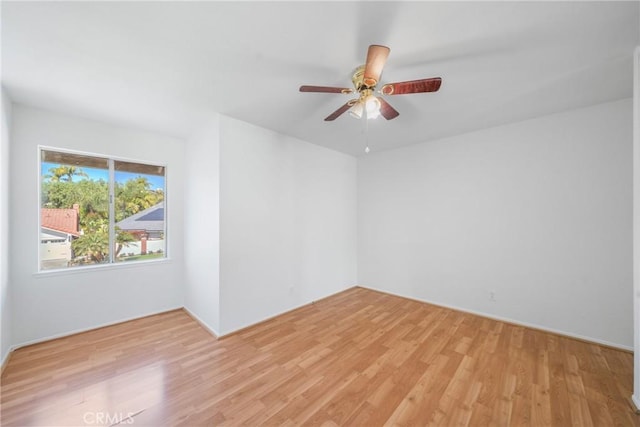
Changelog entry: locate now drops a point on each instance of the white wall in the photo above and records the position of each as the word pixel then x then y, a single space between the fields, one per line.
pixel 50 304
pixel 5 297
pixel 636 227
pixel 287 223
pixel 539 212
pixel 202 225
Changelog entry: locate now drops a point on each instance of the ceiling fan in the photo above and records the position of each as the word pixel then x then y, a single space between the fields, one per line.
pixel 365 79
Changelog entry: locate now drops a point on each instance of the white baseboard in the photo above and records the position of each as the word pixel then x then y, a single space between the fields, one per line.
pixel 297 307
pixel 202 323
pixel 5 359
pixel 511 321
pixel 217 335
pixel 636 402
pixel 79 331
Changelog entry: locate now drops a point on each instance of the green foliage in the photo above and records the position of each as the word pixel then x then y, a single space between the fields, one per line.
pixel 143 257
pixel 94 245
pixel 123 238
pixel 65 173
pixel 92 196
pixel 94 242
pixel 135 195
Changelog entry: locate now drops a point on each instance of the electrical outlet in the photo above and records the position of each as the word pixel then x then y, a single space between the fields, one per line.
pixel 492 295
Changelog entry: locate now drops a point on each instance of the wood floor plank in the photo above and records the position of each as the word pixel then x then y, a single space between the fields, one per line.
pixel 358 358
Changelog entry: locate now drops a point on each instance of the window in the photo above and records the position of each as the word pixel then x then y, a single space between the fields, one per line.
pixel 98 210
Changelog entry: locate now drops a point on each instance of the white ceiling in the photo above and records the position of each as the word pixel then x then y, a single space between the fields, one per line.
pixel 165 66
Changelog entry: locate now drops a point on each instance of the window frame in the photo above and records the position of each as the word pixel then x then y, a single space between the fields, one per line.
pixel 112 262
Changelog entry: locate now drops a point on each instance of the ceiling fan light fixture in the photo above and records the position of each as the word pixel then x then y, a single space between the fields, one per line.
pixel 372 105
pixel 356 110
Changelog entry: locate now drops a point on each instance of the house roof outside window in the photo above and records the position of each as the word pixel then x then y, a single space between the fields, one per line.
pixel 150 220
pixel 63 220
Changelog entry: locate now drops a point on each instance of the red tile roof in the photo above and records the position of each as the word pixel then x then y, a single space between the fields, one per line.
pixel 65 220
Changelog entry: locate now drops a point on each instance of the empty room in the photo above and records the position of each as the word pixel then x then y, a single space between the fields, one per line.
pixel 320 213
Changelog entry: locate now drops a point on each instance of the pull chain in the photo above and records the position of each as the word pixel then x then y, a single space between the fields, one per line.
pixel 366 131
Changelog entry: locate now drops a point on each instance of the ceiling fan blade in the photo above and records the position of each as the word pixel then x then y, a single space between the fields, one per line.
pixel 376 58
pixel 325 89
pixel 412 86
pixel 386 110
pixel 340 111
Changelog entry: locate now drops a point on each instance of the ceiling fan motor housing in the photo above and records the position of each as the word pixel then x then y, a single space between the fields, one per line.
pixel 358 79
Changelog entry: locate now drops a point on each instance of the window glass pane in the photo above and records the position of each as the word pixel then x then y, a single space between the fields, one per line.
pixel 96 210
pixel 139 211
pixel 74 210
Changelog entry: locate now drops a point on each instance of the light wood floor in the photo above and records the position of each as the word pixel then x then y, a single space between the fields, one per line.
pixel 359 358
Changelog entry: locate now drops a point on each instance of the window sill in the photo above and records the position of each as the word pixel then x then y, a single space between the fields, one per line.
pixel 91 269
